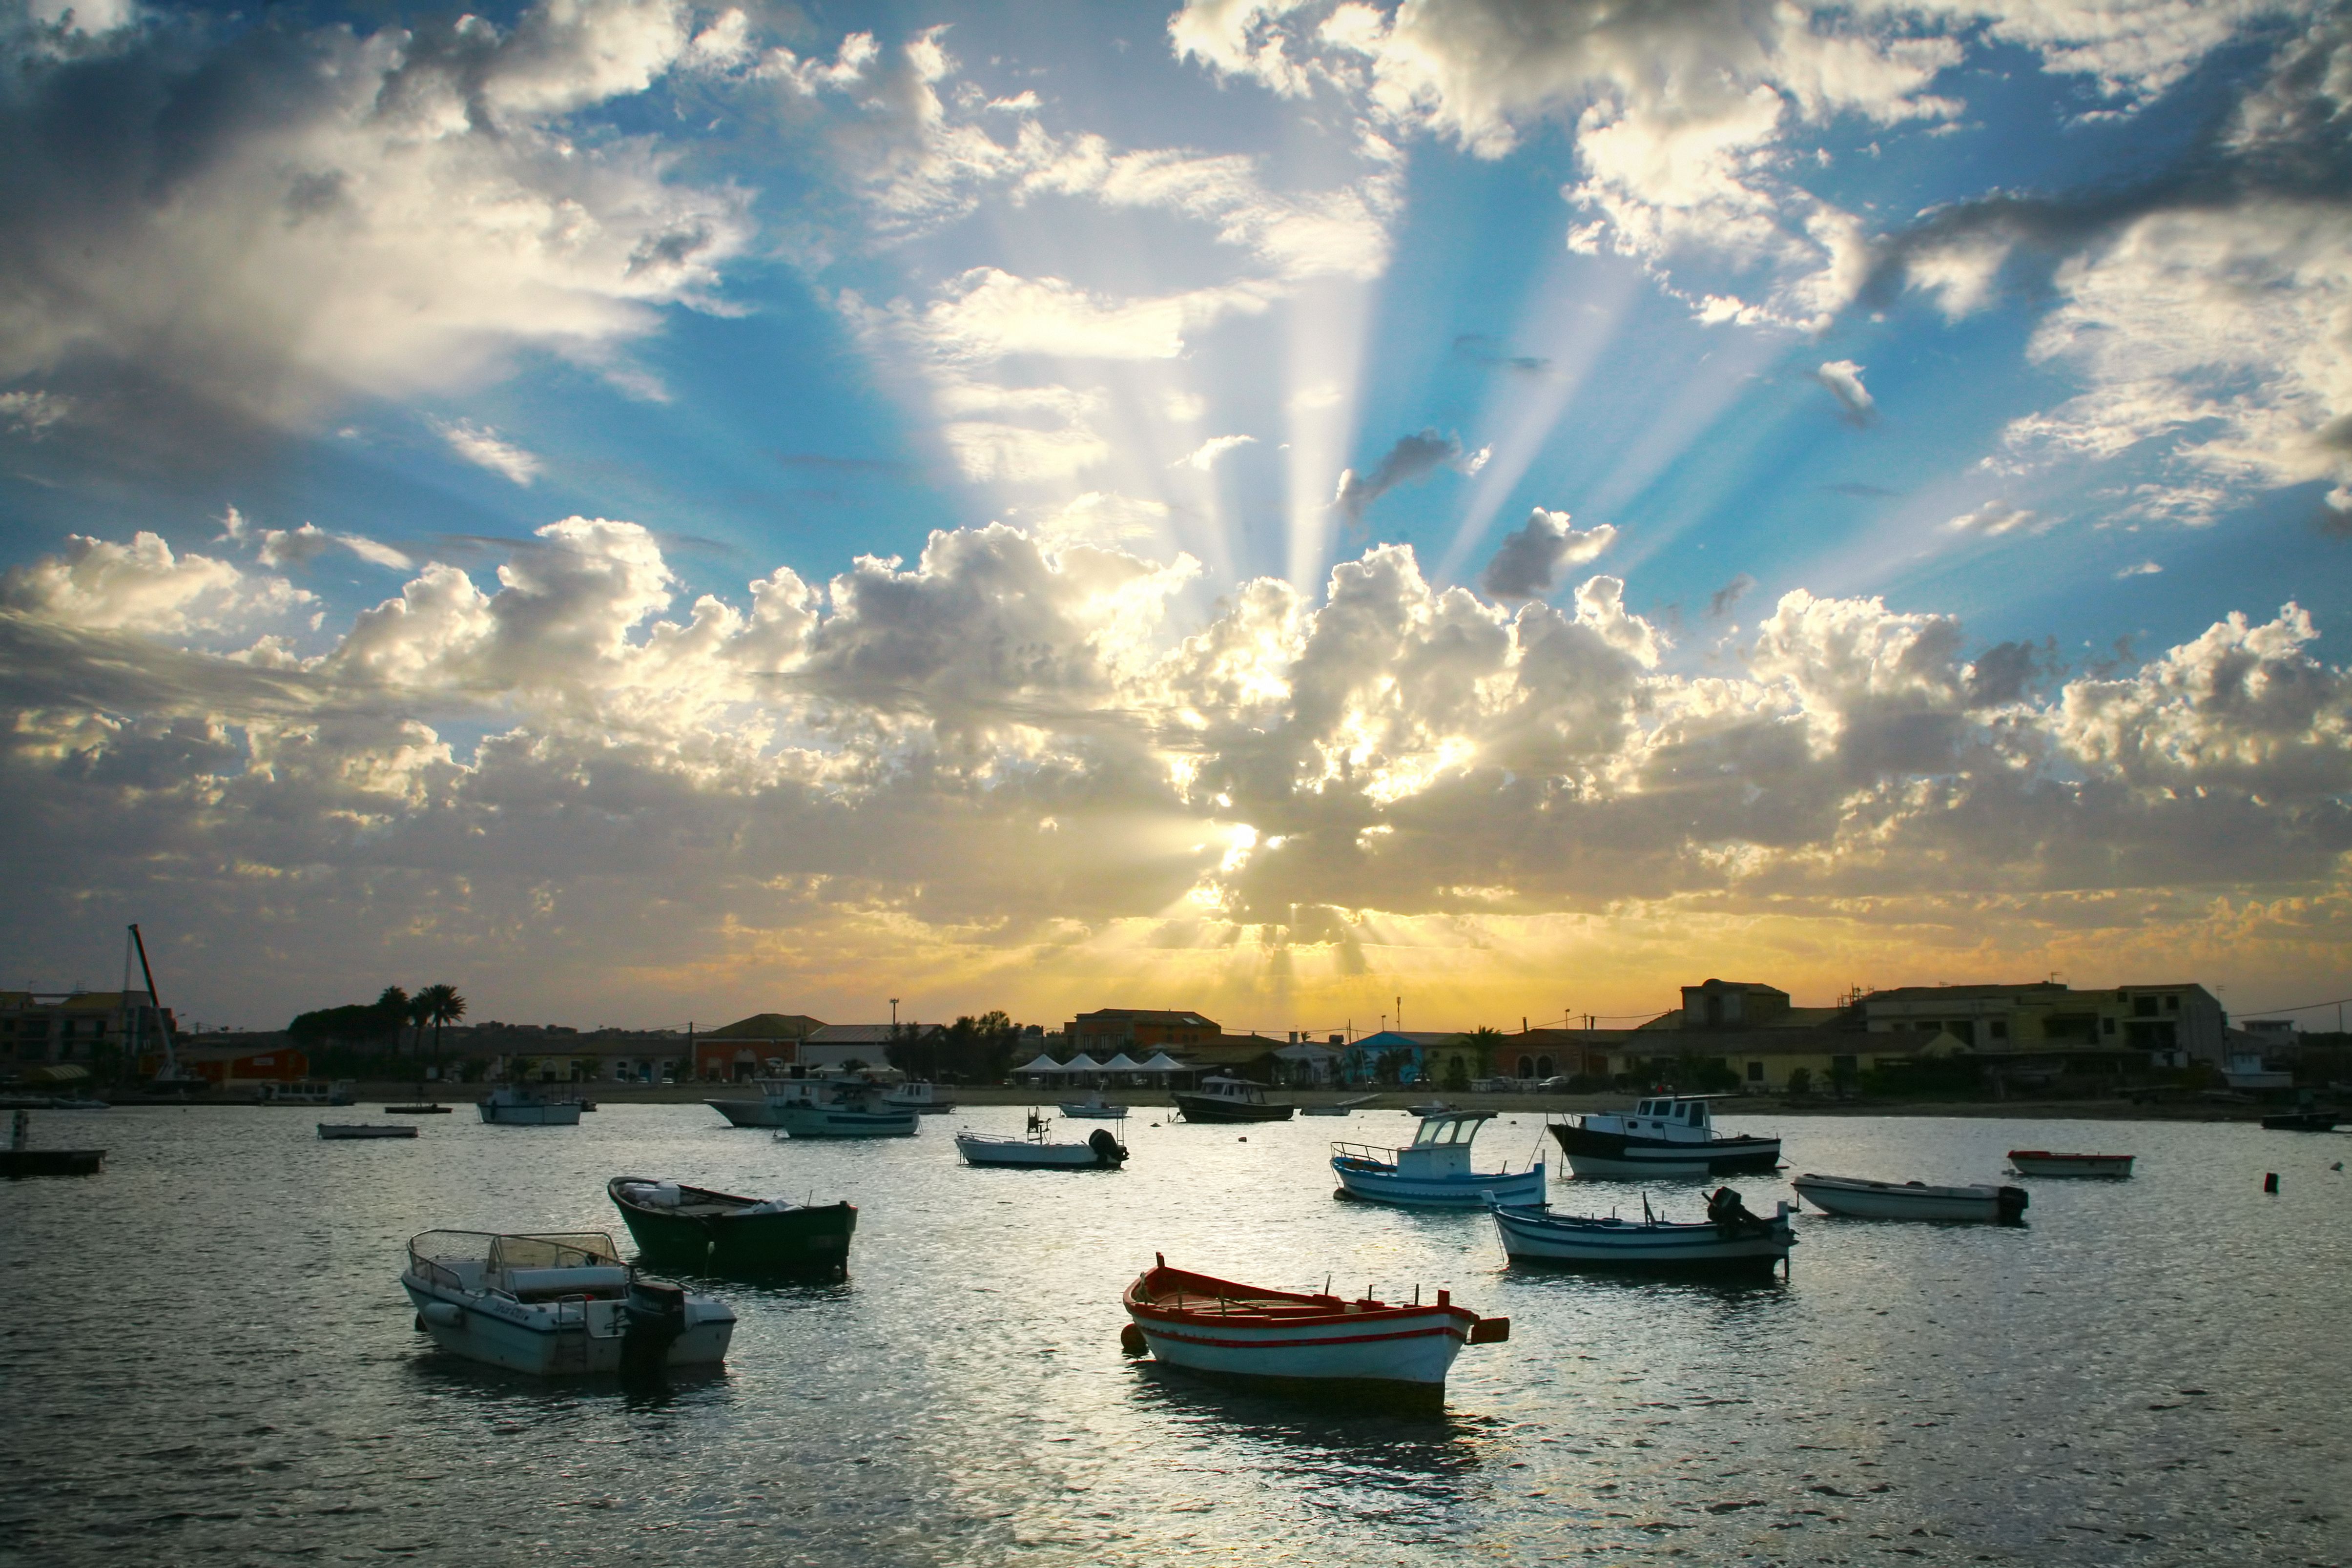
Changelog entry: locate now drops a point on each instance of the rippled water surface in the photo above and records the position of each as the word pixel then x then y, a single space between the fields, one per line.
pixel 206 1355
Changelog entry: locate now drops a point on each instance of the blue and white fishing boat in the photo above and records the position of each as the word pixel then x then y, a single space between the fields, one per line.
pixel 845 1108
pixel 1433 1170
pixel 1730 1240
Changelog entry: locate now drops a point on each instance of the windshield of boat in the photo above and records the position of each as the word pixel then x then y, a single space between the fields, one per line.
pixel 1448 1130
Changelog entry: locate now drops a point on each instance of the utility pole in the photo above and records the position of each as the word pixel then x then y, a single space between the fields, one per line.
pixel 1400 1015
pixel 894 1015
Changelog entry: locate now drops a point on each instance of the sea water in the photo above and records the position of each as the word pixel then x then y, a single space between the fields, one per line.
pixel 205 1357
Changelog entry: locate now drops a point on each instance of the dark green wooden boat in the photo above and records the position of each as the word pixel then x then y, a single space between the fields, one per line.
pixel 696 1231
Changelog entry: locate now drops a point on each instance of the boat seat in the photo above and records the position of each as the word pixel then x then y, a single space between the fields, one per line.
pixel 527 1283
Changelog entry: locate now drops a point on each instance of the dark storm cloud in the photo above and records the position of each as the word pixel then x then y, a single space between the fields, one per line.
pixel 1412 457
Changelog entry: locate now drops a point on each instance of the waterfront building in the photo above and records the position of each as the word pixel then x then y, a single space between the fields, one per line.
pixel 1139 1031
pixel 90 1031
pixel 761 1046
pixel 2172 1023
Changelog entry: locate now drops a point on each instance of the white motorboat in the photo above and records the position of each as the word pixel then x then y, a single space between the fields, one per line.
pixel 1102 1150
pixel 304 1091
pixel 844 1108
pixel 1671 1135
pixel 765 1110
pixel 331 1132
pixel 523 1105
pixel 1093 1108
pixel 1433 1170
pixel 1729 1241
pixel 1316 1344
pixel 556 1305
pixel 918 1097
pixel 2043 1162
pixel 1860 1198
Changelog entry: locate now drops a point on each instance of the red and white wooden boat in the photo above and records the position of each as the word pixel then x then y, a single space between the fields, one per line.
pixel 2043 1162
pixel 1303 1344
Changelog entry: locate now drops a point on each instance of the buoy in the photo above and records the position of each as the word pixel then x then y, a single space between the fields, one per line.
pixel 1244 1137
pixel 1131 1341
pixel 2269 1180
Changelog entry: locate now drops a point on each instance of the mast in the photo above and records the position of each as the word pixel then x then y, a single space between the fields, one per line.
pixel 171 1061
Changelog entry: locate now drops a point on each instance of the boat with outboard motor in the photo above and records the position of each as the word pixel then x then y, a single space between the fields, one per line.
pixel 1666 1135
pixel 1858 1197
pixel 2043 1162
pixel 1433 1170
pixel 556 1305
pixel 1302 1342
pixel 1102 1150
pixel 1729 1241
pixel 525 1105
pixel 698 1231
pixel 1225 1099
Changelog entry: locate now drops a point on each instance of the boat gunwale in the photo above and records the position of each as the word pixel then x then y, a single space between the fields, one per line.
pixel 1311 1310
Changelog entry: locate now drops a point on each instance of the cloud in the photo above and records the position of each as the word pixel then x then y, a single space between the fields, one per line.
pixel 98 585
pixel 1531 558
pixel 32 412
pixel 294 217
pixel 1412 457
pixel 1993 519
pixel 1844 378
pixel 1724 600
pixel 1204 456
pixel 987 314
pixel 486 448
pixel 2145 569
pixel 1482 350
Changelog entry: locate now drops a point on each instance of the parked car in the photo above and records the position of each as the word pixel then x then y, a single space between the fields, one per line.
pixel 1556 1084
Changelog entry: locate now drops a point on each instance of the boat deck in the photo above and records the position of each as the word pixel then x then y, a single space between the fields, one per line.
pixel 1200 1301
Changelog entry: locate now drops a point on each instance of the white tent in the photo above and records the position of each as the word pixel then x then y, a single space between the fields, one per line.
pixel 1043 1063
pixel 1162 1062
pixel 1122 1063
pixel 1082 1063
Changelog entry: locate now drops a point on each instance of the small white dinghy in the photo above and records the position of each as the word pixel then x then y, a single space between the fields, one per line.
pixel 1433 1170
pixel 521 1105
pixel 1860 1198
pixel 1102 1150
pixel 1093 1108
pixel 1729 1241
pixel 1342 1108
pixel 557 1305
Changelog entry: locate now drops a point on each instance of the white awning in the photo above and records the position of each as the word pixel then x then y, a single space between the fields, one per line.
pixel 1082 1063
pixel 1122 1063
pixel 1043 1064
pixel 1162 1062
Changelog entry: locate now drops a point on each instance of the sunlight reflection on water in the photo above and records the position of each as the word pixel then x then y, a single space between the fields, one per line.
pixel 207 1353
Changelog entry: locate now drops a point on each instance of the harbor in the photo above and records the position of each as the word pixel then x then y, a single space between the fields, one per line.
pixel 962 1393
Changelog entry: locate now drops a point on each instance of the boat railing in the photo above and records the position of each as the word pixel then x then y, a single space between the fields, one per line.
pixel 1366 1151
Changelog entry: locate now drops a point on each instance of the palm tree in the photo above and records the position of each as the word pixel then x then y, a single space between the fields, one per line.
pixel 443 1006
pixel 420 1012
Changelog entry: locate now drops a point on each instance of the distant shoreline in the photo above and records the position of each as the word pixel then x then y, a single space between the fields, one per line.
pixel 1393 1100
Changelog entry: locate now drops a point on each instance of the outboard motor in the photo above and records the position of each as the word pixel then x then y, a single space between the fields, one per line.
pixel 1109 1150
pixel 1729 1212
pixel 2012 1202
pixel 655 1310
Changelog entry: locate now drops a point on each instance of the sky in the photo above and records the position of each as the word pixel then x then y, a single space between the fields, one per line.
pixel 1480 509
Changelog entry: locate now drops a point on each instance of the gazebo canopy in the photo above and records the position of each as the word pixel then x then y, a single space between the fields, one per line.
pixel 1162 1062
pixel 1082 1063
pixel 1043 1064
pixel 1122 1063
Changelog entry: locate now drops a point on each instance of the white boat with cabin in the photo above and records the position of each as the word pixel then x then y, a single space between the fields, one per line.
pixel 1433 1170
pixel 1093 1108
pixel 526 1105
pixel 304 1091
pixel 844 1108
pixel 554 1305
pixel 919 1097
pixel 1666 1135
pixel 1858 1197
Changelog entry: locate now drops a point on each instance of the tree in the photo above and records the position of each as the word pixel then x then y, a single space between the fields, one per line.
pixel 1801 1081
pixel 420 1012
pixel 443 1006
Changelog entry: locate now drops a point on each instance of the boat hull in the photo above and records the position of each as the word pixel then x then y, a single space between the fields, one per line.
pixel 333 1132
pixel 1319 1346
pixel 1377 1182
pixel 1212 1108
pixel 803 1241
pixel 51 1162
pixel 1086 1111
pixel 549 1113
pixel 2302 1121
pixel 1754 1248
pixel 980 1149
pixel 568 1340
pixel 836 1122
pixel 1620 1156
pixel 1859 1199
pixel 2038 1163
